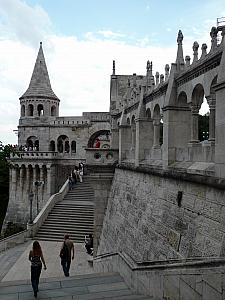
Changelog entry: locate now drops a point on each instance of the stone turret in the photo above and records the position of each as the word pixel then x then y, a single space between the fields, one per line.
pixel 39 99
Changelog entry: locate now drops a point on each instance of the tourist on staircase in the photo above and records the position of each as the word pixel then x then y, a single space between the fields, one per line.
pixel 65 254
pixel 81 172
pixel 36 257
pixel 89 243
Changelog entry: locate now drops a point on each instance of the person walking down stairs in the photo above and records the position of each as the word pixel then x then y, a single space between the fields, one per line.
pixel 65 254
pixel 36 257
pixel 81 171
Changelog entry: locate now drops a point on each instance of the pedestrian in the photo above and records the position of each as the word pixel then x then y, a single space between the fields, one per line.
pixel 36 257
pixel 66 253
pixel 89 243
pixel 75 174
pixel 81 172
pixel 70 182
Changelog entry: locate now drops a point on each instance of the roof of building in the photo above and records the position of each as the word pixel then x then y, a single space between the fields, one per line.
pixel 40 85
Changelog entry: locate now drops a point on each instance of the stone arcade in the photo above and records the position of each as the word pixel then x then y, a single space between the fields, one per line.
pixel 166 204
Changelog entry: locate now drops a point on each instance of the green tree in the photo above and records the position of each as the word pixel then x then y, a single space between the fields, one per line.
pixel 4 179
pixel 203 127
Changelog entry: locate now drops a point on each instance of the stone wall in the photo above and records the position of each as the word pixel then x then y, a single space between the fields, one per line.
pixel 145 219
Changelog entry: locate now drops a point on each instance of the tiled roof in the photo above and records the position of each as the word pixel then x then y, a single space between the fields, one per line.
pixel 40 85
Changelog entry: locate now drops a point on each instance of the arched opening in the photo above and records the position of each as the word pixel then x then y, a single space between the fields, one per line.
pixel 99 137
pixel 23 110
pixel 196 103
pixel 53 110
pixel 157 126
pixel 30 111
pixel 133 133
pixel 67 146
pixel 52 146
pixel 36 145
pixel 73 147
pixel 40 110
pixel 32 143
pixel 63 144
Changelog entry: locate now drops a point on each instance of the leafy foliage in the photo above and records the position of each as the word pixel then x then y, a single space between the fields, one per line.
pixel 4 178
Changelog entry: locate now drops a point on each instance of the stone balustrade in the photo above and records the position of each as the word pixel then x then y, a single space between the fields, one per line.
pixel 34 155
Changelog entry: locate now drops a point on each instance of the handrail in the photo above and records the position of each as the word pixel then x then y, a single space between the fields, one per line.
pixel 150 265
pixel 41 217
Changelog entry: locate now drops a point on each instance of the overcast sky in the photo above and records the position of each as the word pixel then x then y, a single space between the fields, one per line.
pixel 82 38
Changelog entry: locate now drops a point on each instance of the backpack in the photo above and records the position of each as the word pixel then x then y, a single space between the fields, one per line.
pixel 64 252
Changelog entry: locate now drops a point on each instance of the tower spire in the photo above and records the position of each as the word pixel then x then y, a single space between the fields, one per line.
pixel 40 85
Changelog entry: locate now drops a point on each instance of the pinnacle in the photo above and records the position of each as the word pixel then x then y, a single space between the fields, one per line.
pixel 40 85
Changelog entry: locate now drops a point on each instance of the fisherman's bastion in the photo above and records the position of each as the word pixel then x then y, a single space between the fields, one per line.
pixel 158 191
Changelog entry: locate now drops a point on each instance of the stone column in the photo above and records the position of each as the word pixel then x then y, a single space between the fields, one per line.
pixel 114 141
pixel 194 124
pixel 156 126
pixel 21 177
pixel 49 181
pixel 212 107
pixel 124 141
pixel 144 139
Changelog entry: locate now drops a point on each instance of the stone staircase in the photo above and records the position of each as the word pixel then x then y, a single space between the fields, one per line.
pixel 73 215
pixel 80 287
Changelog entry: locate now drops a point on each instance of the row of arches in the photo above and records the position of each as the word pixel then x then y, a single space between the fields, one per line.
pixel 32 110
pixel 188 121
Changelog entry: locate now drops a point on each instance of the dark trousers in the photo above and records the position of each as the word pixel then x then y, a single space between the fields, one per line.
pixel 88 248
pixel 65 262
pixel 35 275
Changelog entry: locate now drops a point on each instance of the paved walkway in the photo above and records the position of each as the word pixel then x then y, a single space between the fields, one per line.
pixel 16 266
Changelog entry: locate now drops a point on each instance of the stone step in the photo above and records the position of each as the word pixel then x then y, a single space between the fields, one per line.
pixel 62 221
pixel 65 227
pixel 74 206
pixel 82 287
pixel 71 214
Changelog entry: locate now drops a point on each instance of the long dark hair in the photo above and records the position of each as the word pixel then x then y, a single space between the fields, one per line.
pixel 36 249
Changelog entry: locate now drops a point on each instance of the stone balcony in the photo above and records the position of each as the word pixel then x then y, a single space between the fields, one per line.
pixel 34 155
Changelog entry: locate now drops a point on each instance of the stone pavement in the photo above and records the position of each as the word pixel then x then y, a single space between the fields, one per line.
pixel 16 266
pixel 80 287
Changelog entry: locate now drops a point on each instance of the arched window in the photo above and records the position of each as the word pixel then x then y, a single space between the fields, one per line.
pixel 36 145
pixel 30 111
pixel 53 110
pixel 63 144
pixel 73 147
pixel 52 146
pixel 23 110
pixel 40 110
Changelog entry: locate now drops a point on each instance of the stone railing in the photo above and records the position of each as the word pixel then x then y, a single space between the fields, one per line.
pixel 33 228
pixel 174 279
pixel 42 216
pixel 34 155
pixel 13 240
pixel 101 156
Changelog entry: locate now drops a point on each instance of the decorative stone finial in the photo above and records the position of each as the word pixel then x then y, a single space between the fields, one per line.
pixel 40 43
pixel 195 51
pixel 204 52
pixel 180 57
pixel 187 60
pixel 157 78
pixel 128 82
pixel 134 79
pixel 180 37
pixel 114 68
pixel 148 66
pixel 213 34
pixel 167 71
pixel 161 78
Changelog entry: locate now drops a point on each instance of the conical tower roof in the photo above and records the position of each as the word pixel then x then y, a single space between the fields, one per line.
pixel 40 85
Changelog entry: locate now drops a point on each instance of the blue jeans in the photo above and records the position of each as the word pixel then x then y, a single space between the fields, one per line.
pixel 65 262
pixel 35 275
